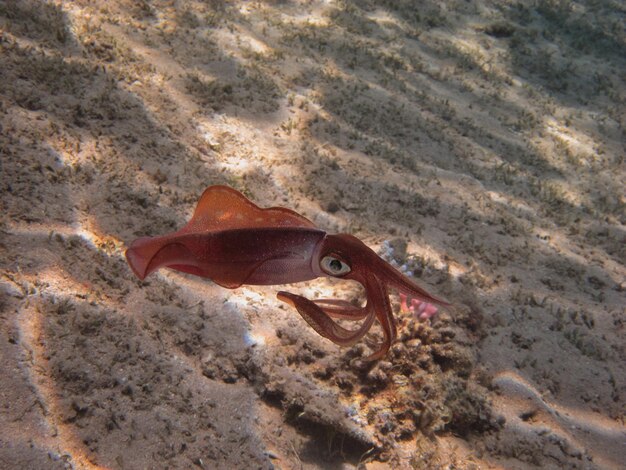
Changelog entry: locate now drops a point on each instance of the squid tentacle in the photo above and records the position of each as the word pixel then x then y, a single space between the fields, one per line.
pixel 321 322
pixel 339 308
pixel 379 296
pixel 409 288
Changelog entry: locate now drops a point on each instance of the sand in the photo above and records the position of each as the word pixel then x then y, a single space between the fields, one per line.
pixel 478 145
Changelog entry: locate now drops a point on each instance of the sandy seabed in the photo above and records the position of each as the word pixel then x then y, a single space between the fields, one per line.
pixel 477 144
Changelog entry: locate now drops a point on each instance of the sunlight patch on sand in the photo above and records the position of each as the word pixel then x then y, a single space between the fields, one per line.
pixel 571 144
pixel 530 413
pixel 384 18
pixel 50 229
pixel 32 337
pixel 315 17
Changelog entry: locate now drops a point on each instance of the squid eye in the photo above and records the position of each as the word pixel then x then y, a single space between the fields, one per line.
pixel 334 266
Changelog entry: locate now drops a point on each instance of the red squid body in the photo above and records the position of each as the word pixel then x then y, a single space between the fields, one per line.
pixel 262 256
pixel 234 242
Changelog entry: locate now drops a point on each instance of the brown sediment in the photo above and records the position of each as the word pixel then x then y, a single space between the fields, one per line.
pixel 487 138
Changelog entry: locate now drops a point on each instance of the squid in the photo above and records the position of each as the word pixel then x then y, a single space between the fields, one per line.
pixel 233 242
